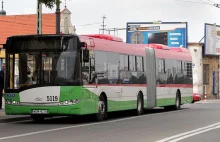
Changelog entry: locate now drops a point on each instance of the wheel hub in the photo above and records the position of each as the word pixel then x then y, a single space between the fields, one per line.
pixel 101 107
pixel 177 102
pixel 139 105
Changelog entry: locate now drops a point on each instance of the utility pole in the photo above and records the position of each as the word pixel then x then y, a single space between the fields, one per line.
pixel 39 17
pixel 103 24
pixel 114 30
pixel 57 16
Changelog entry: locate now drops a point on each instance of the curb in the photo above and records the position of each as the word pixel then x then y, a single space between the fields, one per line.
pixel 208 101
pixel 11 118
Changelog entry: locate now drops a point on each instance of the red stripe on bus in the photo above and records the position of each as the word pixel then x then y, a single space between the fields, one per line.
pixel 144 85
pixel 134 49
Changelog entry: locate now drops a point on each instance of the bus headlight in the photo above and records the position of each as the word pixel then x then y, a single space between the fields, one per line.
pixel 8 102
pixel 12 102
pixel 70 102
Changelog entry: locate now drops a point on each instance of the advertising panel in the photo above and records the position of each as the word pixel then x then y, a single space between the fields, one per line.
pixel 172 34
pixel 212 39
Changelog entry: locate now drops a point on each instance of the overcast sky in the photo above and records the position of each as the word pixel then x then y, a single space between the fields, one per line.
pixel 119 12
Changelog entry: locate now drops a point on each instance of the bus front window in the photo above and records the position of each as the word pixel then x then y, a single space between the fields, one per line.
pixel 46 65
pixel 49 68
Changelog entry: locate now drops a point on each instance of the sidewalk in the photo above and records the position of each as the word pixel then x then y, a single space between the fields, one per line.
pixel 4 117
pixel 2 112
pixel 208 101
pixel 3 103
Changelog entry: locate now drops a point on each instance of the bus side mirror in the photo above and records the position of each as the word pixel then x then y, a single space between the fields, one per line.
pixel 83 44
pixel 86 55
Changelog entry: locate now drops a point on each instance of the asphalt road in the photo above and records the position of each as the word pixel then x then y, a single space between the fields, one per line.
pixel 186 125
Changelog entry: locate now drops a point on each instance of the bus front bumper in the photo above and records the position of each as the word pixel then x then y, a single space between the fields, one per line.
pixel 45 110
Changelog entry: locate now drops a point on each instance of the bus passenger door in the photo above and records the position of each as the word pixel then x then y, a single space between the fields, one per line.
pixel 150 64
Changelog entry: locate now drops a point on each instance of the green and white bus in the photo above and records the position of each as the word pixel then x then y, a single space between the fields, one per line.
pixel 64 75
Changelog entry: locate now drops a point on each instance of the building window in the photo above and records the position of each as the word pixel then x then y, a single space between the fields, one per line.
pixel 189 69
pixel 205 74
pixel 66 26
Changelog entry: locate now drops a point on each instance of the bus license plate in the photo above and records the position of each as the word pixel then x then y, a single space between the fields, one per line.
pixel 39 112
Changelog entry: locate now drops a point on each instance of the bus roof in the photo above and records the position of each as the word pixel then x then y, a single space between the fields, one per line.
pixel 106 37
pixel 161 51
pixel 20 37
pixel 180 49
pixel 116 44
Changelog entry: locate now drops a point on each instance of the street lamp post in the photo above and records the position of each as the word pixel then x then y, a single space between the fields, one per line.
pixel 39 17
pixel 50 4
pixel 57 16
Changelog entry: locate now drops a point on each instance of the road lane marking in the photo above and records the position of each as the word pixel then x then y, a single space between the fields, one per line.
pixel 191 133
pixel 30 120
pixel 83 125
pixel 196 133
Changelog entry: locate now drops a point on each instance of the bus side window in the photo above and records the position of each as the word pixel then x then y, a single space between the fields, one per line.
pixel 123 69
pixel 179 66
pixel 132 65
pixel 161 66
pixel 139 63
pixel 101 67
pixel 113 67
pixel 88 68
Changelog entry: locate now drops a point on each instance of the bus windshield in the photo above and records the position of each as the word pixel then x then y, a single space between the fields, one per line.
pixel 41 62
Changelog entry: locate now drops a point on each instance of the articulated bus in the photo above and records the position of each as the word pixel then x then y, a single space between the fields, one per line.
pixel 64 75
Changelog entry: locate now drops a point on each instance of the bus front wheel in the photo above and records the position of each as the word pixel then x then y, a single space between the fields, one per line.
pixel 102 109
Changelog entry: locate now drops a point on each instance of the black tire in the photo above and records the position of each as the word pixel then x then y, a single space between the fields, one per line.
pixel 140 105
pixel 177 105
pixel 37 118
pixel 178 101
pixel 102 109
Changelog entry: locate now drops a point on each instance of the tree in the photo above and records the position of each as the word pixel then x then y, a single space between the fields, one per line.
pixel 50 3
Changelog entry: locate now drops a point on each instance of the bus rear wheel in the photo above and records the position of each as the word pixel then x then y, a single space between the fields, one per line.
pixel 140 105
pixel 102 109
pixel 177 105
pixel 178 101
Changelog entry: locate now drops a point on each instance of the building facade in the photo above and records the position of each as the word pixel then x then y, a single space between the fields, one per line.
pixel 65 22
pixel 26 24
pixel 205 71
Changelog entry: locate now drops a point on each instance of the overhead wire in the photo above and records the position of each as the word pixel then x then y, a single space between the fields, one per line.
pixel 89 24
pixel 211 1
pixel 25 24
pixel 206 2
pixel 189 1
